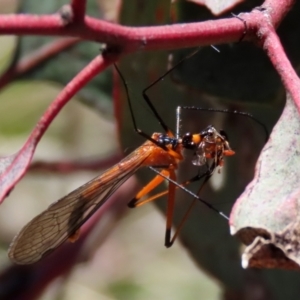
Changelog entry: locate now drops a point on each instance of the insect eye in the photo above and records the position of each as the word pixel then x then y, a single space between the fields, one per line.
pixel 161 139
pixel 187 140
pixel 210 130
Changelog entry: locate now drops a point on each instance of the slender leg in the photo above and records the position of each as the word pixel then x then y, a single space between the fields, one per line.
pixel 170 209
pixel 157 180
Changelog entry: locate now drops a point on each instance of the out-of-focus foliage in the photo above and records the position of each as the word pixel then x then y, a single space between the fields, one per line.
pixel 133 263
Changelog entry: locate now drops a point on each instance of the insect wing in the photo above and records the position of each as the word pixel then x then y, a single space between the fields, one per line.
pixel 63 218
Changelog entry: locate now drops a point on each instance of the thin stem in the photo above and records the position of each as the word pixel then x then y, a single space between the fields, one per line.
pixel 32 60
pixel 21 160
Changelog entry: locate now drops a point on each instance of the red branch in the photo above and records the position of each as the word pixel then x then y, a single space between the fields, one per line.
pixel 22 159
pixel 95 67
pixel 31 61
pixel 65 167
pixel 129 39
pixel 132 39
pixel 264 21
pixel 282 64
pixel 71 21
pixel 141 38
pixel 277 9
pixel 260 25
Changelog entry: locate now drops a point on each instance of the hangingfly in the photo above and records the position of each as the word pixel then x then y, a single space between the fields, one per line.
pixel 63 219
pixel 162 151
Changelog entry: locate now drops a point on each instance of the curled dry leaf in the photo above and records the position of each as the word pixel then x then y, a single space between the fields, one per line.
pixel 275 250
pixel 266 217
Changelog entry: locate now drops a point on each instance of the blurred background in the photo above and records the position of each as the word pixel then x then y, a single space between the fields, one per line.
pixel 132 262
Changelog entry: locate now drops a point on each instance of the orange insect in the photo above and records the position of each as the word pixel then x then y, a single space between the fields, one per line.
pixel 63 219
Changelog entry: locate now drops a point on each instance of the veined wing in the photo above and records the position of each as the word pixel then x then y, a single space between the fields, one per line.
pixel 63 218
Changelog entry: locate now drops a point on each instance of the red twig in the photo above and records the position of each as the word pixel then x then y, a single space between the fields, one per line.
pixel 143 38
pixel 82 78
pixel 127 38
pixel 260 23
pixel 264 21
pixel 72 22
pixel 277 9
pixel 21 161
pixel 132 39
pixel 283 66
pixel 35 58
pixel 71 166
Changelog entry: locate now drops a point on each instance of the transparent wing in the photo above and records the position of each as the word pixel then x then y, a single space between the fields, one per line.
pixel 63 218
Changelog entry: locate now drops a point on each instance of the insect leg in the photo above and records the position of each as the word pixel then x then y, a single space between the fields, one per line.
pixel 170 207
pixel 185 183
pixel 173 185
pixel 157 180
